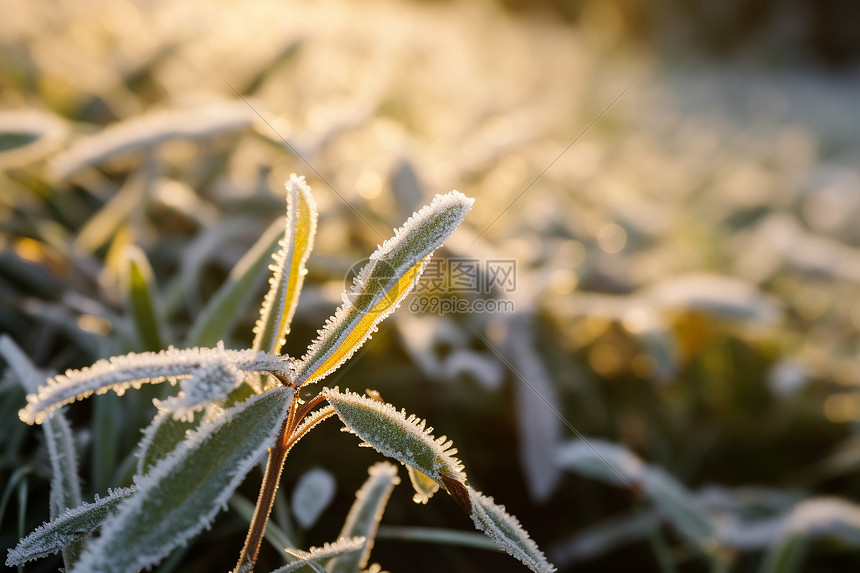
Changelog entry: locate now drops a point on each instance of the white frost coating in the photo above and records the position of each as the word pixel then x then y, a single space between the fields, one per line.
pixel 507 532
pixel 269 325
pixel 132 370
pixel 182 493
pixel 208 384
pixel 317 555
pixel 396 435
pixel 312 494
pixel 366 513
pixel 70 526
pixel 411 245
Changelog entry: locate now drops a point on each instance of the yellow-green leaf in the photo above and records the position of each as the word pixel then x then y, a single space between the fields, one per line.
pixel 392 271
pixel 280 302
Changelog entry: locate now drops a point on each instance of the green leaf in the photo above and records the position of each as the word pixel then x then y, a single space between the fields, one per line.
pixel 507 532
pixel 183 492
pixel 69 527
pixel 141 295
pixel 220 314
pixel 280 302
pixel 394 435
pixel 392 272
pixel 317 555
pixel 365 514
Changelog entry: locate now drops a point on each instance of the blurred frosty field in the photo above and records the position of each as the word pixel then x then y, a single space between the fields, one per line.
pixel 687 272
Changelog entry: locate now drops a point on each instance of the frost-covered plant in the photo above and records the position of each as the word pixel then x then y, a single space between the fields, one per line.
pixel 234 406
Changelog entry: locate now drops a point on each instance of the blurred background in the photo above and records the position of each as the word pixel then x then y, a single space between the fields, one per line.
pixel 676 183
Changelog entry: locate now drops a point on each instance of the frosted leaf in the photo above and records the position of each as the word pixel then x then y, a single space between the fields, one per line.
pixel 826 516
pixel 312 494
pixel 364 515
pixel 70 526
pixel 618 466
pixel 675 503
pixel 65 484
pixel 601 460
pixel 182 493
pixel 28 377
pixel 318 555
pixel 280 302
pixel 537 402
pixel 149 130
pixel 381 285
pixel 131 370
pixel 809 520
pixel 507 532
pixel 209 383
pixel 396 435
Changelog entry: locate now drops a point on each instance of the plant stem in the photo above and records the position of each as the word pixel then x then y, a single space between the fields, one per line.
pixel 266 498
